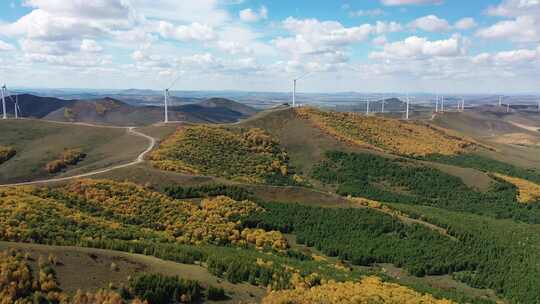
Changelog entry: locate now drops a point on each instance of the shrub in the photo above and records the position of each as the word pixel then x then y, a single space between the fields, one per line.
pixel 6 153
pixel 55 166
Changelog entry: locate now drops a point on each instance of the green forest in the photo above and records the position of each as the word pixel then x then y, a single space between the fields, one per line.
pixel 404 181
pixel 362 236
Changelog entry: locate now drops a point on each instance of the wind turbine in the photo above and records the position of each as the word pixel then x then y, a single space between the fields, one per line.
pixel 4 116
pixel 294 87
pixel 437 103
pixel 16 107
pixel 500 101
pixel 367 106
pixel 166 98
pixel 407 112
pixel 442 104
pixel 383 102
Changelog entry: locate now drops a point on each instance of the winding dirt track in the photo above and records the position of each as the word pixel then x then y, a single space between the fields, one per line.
pixel 138 160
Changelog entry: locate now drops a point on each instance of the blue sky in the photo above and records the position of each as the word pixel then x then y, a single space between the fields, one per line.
pixel 447 46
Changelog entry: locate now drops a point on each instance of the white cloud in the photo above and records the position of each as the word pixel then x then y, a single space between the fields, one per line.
pixel 515 8
pixel 465 24
pixel 90 46
pixel 382 27
pixel 381 40
pixel 249 15
pixel 194 31
pixel 409 2
pixel 138 56
pixel 210 12
pixel 320 34
pixel 430 23
pixel 521 29
pixel 511 58
pixel 370 13
pixel 419 47
pixel 4 46
pixel 515 56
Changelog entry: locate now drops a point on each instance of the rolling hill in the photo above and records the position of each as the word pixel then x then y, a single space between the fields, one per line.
pixel 324 205
pixel 110 111
pixel 37 107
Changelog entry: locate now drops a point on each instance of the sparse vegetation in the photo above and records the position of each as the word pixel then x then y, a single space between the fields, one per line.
pixel 392 135
pixel 19 285
pixel 243 155
pixel 6 153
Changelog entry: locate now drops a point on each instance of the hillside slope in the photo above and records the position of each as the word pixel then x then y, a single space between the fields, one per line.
pixel 36 106
pixel 38 142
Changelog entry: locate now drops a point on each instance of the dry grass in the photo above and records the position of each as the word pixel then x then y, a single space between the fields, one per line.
pixel 528 192
pixel 383 134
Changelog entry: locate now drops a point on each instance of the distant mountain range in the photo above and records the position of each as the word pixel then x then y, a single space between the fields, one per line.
pixel 110 111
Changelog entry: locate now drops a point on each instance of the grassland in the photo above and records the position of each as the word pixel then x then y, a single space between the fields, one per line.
pixel 38 142
pixel 95 264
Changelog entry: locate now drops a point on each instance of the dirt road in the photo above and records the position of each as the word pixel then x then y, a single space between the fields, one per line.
pixel 138 160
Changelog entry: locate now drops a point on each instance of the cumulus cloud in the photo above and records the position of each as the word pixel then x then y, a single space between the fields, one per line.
pixel 515 8
pixel 420 47
pixel 507 58
pixel 195 31
pixel 312 36
pixel 249 15
pixel 465 24
pixel 521 29
pixel 430 23
pixel 409 2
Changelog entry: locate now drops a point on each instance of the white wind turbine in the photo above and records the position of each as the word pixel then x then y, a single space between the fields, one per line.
pixel 166 98
pixel 294 87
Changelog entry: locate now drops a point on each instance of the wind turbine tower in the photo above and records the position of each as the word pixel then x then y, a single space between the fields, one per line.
pixel 4 115
pixel 384 100
pixel 442 104
pixel 16 107
pixel 294 87
pixel 500 101
pixel 166 95
pixel 507 107
pixel 407 111
pixel 437 103
pixel 367 106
